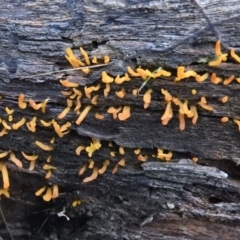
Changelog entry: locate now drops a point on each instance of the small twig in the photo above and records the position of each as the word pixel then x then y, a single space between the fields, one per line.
pixel 5 222
pixel 66 70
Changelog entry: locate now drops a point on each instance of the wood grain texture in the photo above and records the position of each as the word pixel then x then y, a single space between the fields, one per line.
pixel 151 200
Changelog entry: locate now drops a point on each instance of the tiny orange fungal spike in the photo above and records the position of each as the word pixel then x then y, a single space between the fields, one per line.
pixel 21 102
pixel 180 73
pixel 48 174
pixel 194 159
pixel 125 114
pixel 64 113
pixel 228 80
pixel 137 151
pixel 234 55
pixel 78 105
pixel 32 165
pixel 94 99
pixel 83 114
pixel 93 176
pixel 238 123
pixel 34 105
pixel 113 154
pixel 66 93
pixel 135 92
pixel 216 62
pixel 106 90
pixel 5 176
pixel 131 72
pixel 43 146
pixel 48 167
pixel 5 125
pixel 79 149
pixel 119 80
pixel 40 191
pixel 9 111
pixel 99 116
pixel 106 59
pixel 104 167
pixel 14 159
pixel 193 91
pixel 121 150
pixel 215 79
pixel 121 93
pixel 82 169
pixel 5 193
pixel 168 114
pixel 46 124
pixel 122 162
pixel 142 158
pixel 167 95
pixel 85 55
pixel 115 169
pixel 106 78
pixel 91 164
pixel 86 70
pixel 142 73
pixel 181 121
pixel 224 99
pixel 72 59
pixel 218 48
pixel 4 154
pixel 29 157
pixel 55 191
pixel 48 195
pixel 190 73
pixel 160 73
pixel 94 60
pixel 147 98
pixel 224 119
pixel 66 83
pixel 202 78
pixel 31 125
pixel 193 109
pixel 114 111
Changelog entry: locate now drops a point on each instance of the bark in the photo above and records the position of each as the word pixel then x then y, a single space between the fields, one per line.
pixel 179 199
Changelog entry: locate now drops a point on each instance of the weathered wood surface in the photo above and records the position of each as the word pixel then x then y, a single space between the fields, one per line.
pixel 181 199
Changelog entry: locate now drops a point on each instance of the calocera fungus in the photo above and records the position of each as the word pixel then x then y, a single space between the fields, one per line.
pixel 99 116
pixel 106 90
pixel 106 78
pixel 31 125
pixel 30 157
pixel 93 176
pixel 125 114
pixel 14 159
pixel 43 146
pixel 114 111
pixel 82 169
pixel 228 80
pixel 234 55
pixel 224 99
pixel 21 102
pixel 66 83
pixel 18 124
pixel 224 119
pixel 121 93
pixel 83 114
pixel 79 149
pixel 104 167
pixel 5 176
pixel 147 98
pixel 85 55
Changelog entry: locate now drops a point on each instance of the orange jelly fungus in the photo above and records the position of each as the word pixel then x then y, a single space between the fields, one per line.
pixel 93 176
pixel 40 191
pixel 43 146
pixel 85 55
pixel 82 169
pixel 106 59
pixel 106 90
pixel 72 59
pixel 120 80
pixel 29 157
pixel 202 78
pixel 64 113
pixel 115 169
pixel 142 158
pixel 99 116
pixel 106 78
pixel 79 149
pixel 104 167
pixel 167 95
pixel 4 154
pixel 94 60
pixel 94 99
pixel 147 98
pixel 5 176
pixel 114 111
pixel 224 99
pixel 224 119
pixel 66 83
pixel 21 102
pixel 91 164
pixel 238 123
pixel 14 159
pixel 121 93
pixel 168 114
pixel 48 195
pixel 83 114
pixel 137 151
pixel 122 162
pixel 34 105
pixel 228 80
pixel 131 72
pixel 46 124
pixel 215 79
pixel 32 124
pixel 125 114
pixel 55 191
pixel 234 55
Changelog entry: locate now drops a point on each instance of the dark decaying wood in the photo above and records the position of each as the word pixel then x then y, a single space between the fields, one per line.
pixel 179 199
